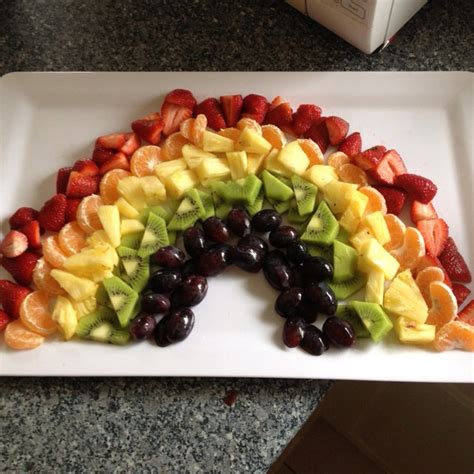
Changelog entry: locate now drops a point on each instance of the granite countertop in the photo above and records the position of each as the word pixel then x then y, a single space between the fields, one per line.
pixel 183 425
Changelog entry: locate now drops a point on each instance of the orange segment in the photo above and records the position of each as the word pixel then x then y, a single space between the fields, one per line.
pixel 412 249
pixel 337 159
pixel 274 136
pixel 43 280
pixel 312 150
pixel 231 132
pixel 454 335
pixel 396 229
pixel 17 336
pixel 145 159
pixel 193 129
pixel 249 123
pixel 350 173
pixel 35 315
pixel 108 194
pixel 52 252
pixel 172 147
pixel 72 239
pixel 424 280
pixel 444 305
pixel 376 200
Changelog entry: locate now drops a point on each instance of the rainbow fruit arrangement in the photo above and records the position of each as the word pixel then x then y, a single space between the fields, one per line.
pixel 100 259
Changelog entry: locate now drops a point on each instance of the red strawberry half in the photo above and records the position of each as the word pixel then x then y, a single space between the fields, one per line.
pixel 79 185
pixel 255 107
pixel 62 179
pixel 337 129
pixel 14 244
pixel 387 168
pixel 113 141
pixel 119 160
pixel 368 159
pixel 173 115
pixel 100 155
pixel 22 216
pixel 21 267
pixel 149 128
pixel 435 233
pixel 213 112
pixel 319 134
pixel 461 292
pixel 33 232
pixel 11 297
pixel 86 167
pixel 181 97
pixel 454 263
pixel 419 188
pixel 305 117
pixel 71 209
pixel 52 215
pixel 394 197
pixel 4 320
pixel 280 115
pixel 231 106
pixel 421 211
pixel 132 143
pixel 351 145
pixel 467 314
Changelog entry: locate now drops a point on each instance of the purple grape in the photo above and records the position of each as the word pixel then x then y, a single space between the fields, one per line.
pixel 247 258
pixel 192 291
pixel 215 230
pixel 254 242
pixel 297 252
pixel 155 303
pixel 308 312
pixel 214 261
pixel 298 278
pixel 165 281
pixel 316 269
pixel 314 341
pixel 266 220
pixel 178 325
pixel 142 327
pixel 288 302
pixel 339 332
pixel 322 297
pixel 194 241
pixel 293 332
pixel 283 236
pixel 238 221
pixel 160 333
pixel 277 270
pixel 189 268
pixel 169 257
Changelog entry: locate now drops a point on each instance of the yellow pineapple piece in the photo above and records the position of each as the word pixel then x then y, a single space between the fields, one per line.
pixel 216 143
pixel 180 182
pixel 403 298
pixel 131 189
pixel 238 163
pixel 293 158
pixel 274 166
pixel 359 239
pixel 411 332
pixel 213 169
pixel 373 255
pixel 338 195
pixel 110 219
pixel 97 238
pixel 351 217
pixel 85 307
pixel 130 226
pixel 375 287
pixel 193 155
pixel 95 263
pixel 255 163
pixel 252 142
pixel 64 315
pixel 166 168
pixel 375 221
pixel 154 190
pixel 79 288
pixel 126 209
pixel 321 175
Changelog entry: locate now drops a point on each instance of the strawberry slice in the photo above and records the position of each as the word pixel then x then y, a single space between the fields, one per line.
pixel 429 260
pixel 305 117
pixel 435 233
pixel 149 128
pixel 21 267
pixel 22 216
pixel 461 292
pixel 33 232
pixel 387 168
pixel 173 115
pixel 132 144
pixel 100 155
pixel 337 129
pixel 14 244
pixel 276 102
pixel 370 158
pixel 419 188
pixel 394 197
pixel 71 209
pixel 181 97
pixel 4 320
pixel 351 145
pixel 62 178
pixel 280 115
pixel 113 141
pixel 231 106
pixel 467 314
pixel 85 167
pixel 52 215
pixel 118 161
pixel 319 134
pixel 11 297
pixel 79 185
pixel 454 263
pixel 213 112
pixel 255 104
pixel 419 211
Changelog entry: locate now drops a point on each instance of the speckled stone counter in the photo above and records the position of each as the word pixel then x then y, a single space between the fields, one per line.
pixel 182 425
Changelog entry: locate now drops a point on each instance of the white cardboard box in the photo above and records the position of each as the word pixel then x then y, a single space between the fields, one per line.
pixel 366 24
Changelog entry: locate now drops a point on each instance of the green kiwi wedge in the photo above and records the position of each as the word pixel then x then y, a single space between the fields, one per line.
pixel 275 189
pixel 294 217
pixel 189 211
pixel 154 237
pixel 343 236
pixel 347 288
pixel 122 297
pixel 346 312
pixel 208 204
pixel 221 207
pixel 324 252
pixel 374 319
pixel 305 194
pixel 257 205
pixel 344 262
pixel 132 241
pixel 323 227
pixel 137 269
pixel 280 206
pixel 242 191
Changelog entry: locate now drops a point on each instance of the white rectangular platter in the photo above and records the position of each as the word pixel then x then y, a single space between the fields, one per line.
pixel 48 120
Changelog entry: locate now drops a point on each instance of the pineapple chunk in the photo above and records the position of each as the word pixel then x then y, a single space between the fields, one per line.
pixel 110 219
pixel 238 163
pixel 213 169
pixel 166 168
pixel 85 307
pixel 255 163
pixel 126 209
pixel 403 298
pixel 216 143
pixel 64 315
pixel 130 226
pixel 359 239
pixel 339 195
pixel 252 142
pixel 321 175
pixel 194 155
pixel 94 263
pixel 180 182
pixel 98 238
pixel 131 189
pixel 375 287
pixel 411 332
pixel 376 223
pixel 351 217
pixel 274 166
pixel 373 255
pixel 293 158
pixel 154 190
pixel 79 288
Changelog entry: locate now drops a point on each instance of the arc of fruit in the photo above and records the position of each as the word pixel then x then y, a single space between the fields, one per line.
pixel 214 169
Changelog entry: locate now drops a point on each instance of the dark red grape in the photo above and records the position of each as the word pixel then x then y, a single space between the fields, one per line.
pixel 169 257
pixel 238 221
pixel 155 303
pixel 283 236
pixel 316 269
pixel 247 258
pixel 314 341
pixel 308 312
pixel 215 230
pixel 255 242
pixel 192 291
pixel 297 252
pixel 142 327
pixel 165 281
pixel 288 302
pixel 293 332
pixel 160 333
pixel 194 241
pixel 189 268
pixel 277 270
pixel 298 278
pixel 322 296
pixel 178 325
pixel 214 261
pixel 339 332
pixel 266 220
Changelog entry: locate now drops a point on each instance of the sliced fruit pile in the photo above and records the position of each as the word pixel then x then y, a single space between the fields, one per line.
pixel 101 259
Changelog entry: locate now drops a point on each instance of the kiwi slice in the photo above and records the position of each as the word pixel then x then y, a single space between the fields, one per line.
pixel 122 297
pixel 208 205
pixel 275 189
pixel 343 236
pixel 102 297
pixel 137 269
pixel 119 336
pixel 257 205
pixel 374 318
pixel 305 194
pixel 344 262
pixel 154 237
pixel 344 311
pixel 172 236
pixel 189 211
pixel 323 227
pixel 222 208
pixel 280 206
pixel 241 191
pixel 164 212
pixel 324 252
pixel 347 288
pixel 101 325
pixel 294 217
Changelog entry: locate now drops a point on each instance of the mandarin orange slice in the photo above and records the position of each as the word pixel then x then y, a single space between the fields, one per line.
pixel 145 159
pixel 376 200
pixel 444 305
pixel 17 336
pixel 108 194
pixel 43 280
pixel 454 335
pixel 412 249
pixel 312 151
pixel 350 173
pixel 231 132
pixel 424 280
pixel 35 315
pixel 396 229
pixel 173 146
pixel 72 239
pixel 193 129
pixel 52 252
pixel 337 159
pixel 274 136
pixel 249 123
